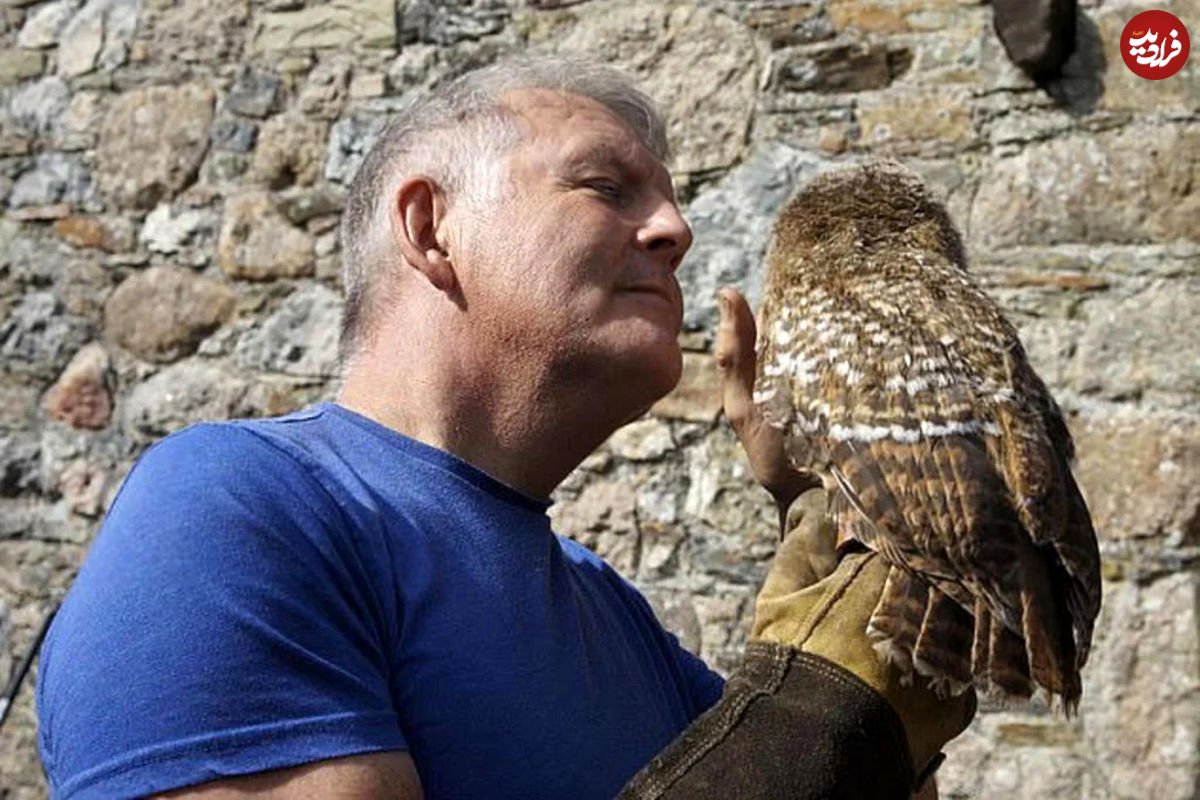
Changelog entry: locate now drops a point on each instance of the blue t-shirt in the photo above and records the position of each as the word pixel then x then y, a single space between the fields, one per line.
pixel 272 592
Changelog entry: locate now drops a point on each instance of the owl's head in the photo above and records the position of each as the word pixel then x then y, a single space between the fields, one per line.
pixel 864 208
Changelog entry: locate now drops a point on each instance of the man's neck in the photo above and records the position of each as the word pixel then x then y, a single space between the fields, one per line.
pixel 516 427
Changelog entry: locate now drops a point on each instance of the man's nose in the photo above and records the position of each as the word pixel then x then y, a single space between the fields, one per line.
pixel 666 234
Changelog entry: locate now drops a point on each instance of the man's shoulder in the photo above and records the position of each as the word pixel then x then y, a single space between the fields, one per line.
pixel 210 464
pixel 237 445
pixel 594 568
pixel 581 555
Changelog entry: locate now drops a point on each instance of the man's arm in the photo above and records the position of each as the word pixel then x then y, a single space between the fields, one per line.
pixel 221 591
pixel 372 776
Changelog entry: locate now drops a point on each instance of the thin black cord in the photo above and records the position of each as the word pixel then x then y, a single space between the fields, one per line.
pixel 18 675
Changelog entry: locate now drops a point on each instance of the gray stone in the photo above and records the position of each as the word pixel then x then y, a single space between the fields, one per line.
pixel 644 440
pixel 326 88
pixel 732 222
pixel 42 213
pixel 665 47
pixel 38 107
pixel 300 338
pixel 290 151
pixel 80 125
pixel 792 25
pixel 933 121
pixel 98 35
pixel 697 397
pixel 86 487
pixel 234 135
pixel 724 618
pixel 182 394
pixel 110 234
pixel 1125 351
pixel 43 26
pixel 168 128
pixel 168 230
pixel 20 455
pixel 1126 186
pixel 350 139
pixel 254 94
pixel 258 243
pixel 444 23
pixel 837 67
pixel 163 313
pixel 1141 475
pixel 20 65
pixel 38 337
pixel 368 85
pixel 335 24
pixel 204 32
pixel 81 41
pixel 416 65
pixel 303 204
pixel 54 178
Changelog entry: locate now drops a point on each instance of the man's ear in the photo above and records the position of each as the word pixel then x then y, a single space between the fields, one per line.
pixel 419 209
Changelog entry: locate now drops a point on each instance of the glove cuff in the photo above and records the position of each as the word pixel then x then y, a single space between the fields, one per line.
pixel 789 724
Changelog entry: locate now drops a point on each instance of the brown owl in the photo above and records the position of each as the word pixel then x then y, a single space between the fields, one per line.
pixel 899 382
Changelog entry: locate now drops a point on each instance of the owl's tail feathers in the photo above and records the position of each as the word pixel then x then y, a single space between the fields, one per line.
pixel 943 652
pixel 922 632
pixel 999 660
pixel 1049 638
pixel 895 623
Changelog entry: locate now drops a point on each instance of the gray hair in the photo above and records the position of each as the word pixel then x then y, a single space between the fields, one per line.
pixel 456 135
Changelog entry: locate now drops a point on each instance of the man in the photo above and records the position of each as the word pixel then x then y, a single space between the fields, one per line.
pixel 365 599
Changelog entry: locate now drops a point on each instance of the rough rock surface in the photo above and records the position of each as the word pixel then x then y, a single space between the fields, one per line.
pixel 258 243
pixel 82 395
pixel 171 174
pixel 163 313
pixel 300 338
pixel 153 141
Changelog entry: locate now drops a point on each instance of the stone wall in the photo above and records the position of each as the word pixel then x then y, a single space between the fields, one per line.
pixel 171 173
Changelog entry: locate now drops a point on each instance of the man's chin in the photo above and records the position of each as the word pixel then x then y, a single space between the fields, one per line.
pixel 657 375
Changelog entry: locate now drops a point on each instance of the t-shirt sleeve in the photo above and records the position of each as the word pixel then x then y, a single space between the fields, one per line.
pixel 704 684
pixel 223 624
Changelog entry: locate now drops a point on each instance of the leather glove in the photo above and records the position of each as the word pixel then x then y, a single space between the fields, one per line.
pixel 828 618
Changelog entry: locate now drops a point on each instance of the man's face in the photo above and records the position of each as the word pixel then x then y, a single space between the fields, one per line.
pixel 575 265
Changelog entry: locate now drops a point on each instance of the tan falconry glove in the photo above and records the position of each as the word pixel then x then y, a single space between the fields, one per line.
pixel 828 618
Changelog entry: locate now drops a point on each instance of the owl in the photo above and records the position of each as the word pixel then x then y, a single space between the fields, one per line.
pixel 899 383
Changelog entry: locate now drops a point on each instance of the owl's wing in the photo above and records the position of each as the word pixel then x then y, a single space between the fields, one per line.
pixel 1035 459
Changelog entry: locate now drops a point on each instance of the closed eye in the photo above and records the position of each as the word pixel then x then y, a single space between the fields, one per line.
pixel 606 188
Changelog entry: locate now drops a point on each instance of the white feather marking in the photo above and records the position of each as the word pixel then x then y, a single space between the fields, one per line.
pixel 763 395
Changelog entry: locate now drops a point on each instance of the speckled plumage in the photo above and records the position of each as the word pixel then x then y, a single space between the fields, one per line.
pixel 900 382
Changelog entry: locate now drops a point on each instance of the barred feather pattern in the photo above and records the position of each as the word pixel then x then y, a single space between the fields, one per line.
pixel 901 383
